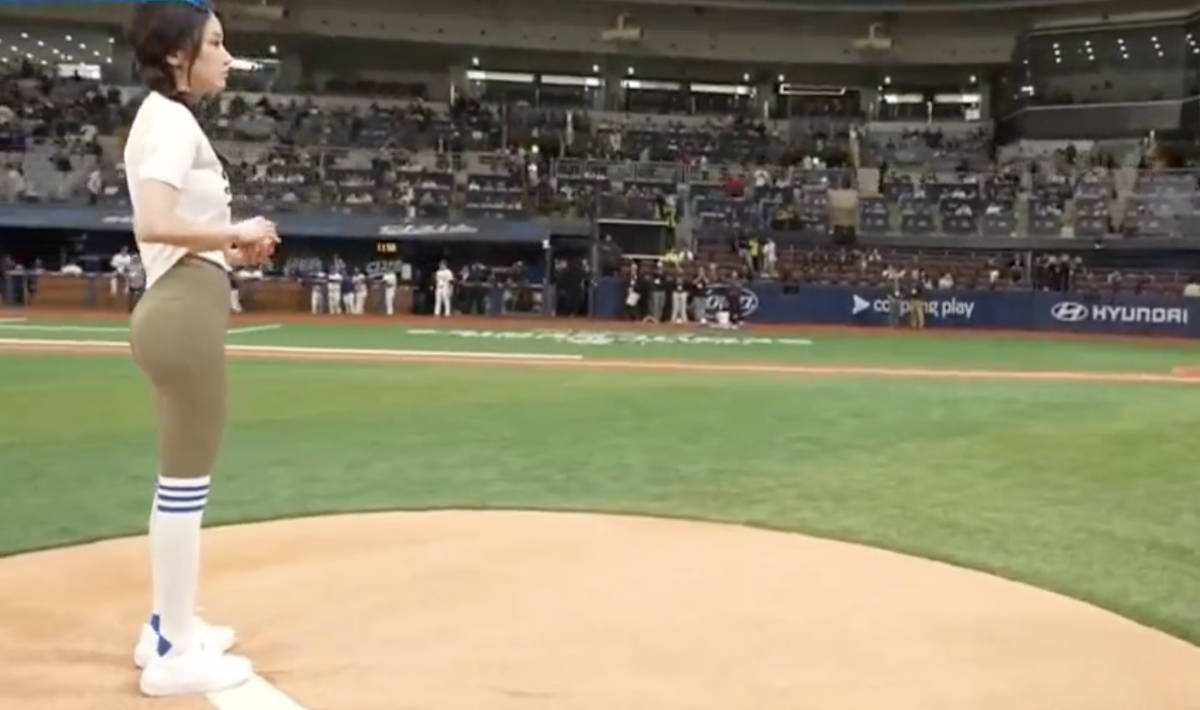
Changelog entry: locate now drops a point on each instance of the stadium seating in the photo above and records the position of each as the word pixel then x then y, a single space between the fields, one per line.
pixel 721 179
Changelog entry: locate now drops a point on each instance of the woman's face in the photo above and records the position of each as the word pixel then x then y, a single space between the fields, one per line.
pixel 212 64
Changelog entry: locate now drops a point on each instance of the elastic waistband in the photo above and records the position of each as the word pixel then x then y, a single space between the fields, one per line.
pixel 197 260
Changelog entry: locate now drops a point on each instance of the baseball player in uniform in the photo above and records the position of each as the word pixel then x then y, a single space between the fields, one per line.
pixel 389 293
pixel 317 291
pixel 333 288
pixel 118 284
pixel 443 290
pixel 360 293
pixel 235 294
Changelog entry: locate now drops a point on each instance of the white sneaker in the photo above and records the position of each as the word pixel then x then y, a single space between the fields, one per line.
pixel 196 671
pixel 218 639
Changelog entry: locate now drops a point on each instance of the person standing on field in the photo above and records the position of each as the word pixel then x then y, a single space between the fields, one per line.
pixel 187 242
pixel 360 293
pixel 120 268
pixel 316 291
pixel 679 295
pixel 916 302
pixel 389 293
pixel 333 291
pixel 443 290
pixel 135 281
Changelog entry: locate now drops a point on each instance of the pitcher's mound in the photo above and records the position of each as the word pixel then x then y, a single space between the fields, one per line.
pixel 496 610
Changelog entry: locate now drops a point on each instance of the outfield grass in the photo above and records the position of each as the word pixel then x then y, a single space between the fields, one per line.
pixel 1083 488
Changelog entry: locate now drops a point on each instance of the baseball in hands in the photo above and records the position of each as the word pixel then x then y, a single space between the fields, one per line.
pixel 261 252
pixel 256 253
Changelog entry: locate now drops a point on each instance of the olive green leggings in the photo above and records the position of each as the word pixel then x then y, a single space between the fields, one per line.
pixel 177 332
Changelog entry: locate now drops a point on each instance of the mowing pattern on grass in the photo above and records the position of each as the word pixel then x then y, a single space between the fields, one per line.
pixel 447 357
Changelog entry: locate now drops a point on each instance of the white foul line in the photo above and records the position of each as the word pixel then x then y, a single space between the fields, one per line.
pixel 308 353
pixel 64 328
pixel 21 325
pixel 254 329
pixel 254 694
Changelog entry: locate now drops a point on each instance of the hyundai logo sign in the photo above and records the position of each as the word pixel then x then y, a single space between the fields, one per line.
pixel 1072 312
pixel 1069 312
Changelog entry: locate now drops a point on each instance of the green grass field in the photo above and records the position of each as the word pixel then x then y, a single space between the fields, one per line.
pixel 1089 489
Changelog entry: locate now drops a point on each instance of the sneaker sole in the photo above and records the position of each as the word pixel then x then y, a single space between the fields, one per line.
pixel 144 653
pixel 154 689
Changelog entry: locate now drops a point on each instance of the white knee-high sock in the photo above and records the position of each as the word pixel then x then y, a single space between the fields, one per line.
pixel 175 558
pixel 155 620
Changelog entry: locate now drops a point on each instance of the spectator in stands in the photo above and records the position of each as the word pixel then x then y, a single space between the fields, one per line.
pixel 754 255
pixel 15 187
pixel 770 257
pixel 95 186
pixel 476 159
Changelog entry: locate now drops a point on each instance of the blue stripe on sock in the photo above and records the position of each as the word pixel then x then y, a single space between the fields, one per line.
pixel 155 622
pixel 183 489
pixel 181 507
pixel 199 497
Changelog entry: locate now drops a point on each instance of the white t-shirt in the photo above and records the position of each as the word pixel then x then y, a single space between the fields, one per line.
pixel 166 143
pixel 443 278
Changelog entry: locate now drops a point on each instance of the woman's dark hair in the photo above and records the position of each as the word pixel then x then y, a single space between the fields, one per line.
pixel 162 28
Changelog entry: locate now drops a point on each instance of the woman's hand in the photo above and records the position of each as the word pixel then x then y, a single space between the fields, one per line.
pixel 234 256
pixel 250 254
pixel 254 244
pixel 254 231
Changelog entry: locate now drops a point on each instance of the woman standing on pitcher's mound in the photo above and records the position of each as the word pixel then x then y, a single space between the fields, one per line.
pixel 187 241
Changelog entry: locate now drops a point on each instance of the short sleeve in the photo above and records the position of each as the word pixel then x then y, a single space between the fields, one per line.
pixel 169 146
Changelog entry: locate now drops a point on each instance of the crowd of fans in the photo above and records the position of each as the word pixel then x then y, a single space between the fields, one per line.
pixel 742 193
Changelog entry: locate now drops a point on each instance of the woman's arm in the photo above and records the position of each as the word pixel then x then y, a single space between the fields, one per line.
pixel 156 221
pixel 161 159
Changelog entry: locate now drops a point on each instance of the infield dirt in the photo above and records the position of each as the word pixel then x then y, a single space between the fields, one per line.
pixel 513 610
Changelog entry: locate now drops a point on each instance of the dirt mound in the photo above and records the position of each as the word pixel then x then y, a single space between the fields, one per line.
pixel 495 610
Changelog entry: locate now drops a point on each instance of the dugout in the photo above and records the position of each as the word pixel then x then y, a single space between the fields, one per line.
pixel 494 253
